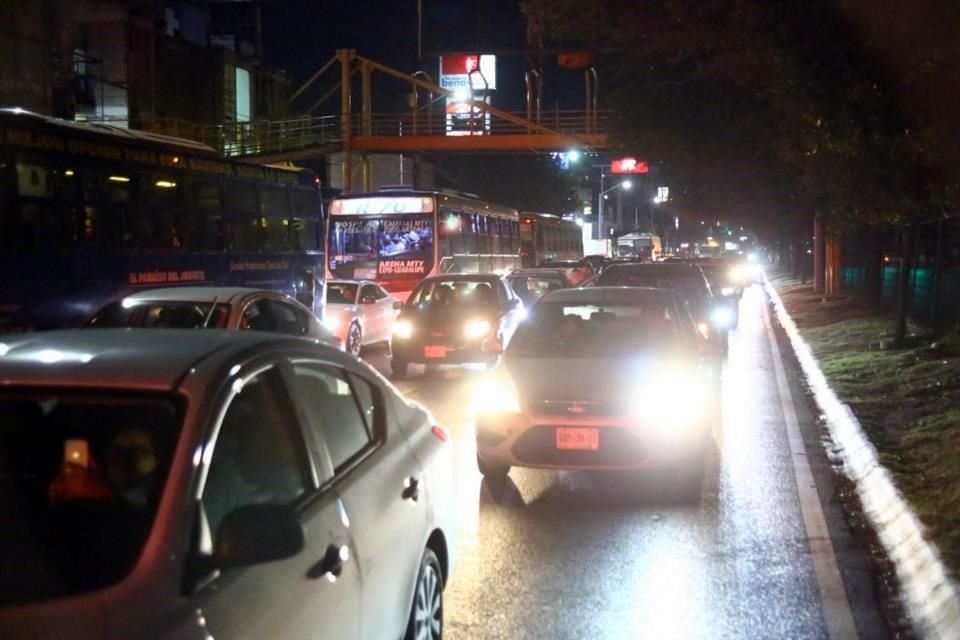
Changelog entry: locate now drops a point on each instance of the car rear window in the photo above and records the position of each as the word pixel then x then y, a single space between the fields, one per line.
pixel 594 330
pixel 80 479
pixel 151 314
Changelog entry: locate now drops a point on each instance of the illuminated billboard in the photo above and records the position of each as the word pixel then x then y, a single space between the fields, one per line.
pixel 629 165
pixel 462 71
pixel 463 119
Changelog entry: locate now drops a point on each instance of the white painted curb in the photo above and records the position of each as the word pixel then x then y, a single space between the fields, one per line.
pixel 930 595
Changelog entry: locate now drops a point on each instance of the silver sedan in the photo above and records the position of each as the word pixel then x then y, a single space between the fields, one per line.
pixel 197 484
pixel 360 313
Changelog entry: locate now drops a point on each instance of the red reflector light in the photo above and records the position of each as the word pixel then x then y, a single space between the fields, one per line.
pixel 442 434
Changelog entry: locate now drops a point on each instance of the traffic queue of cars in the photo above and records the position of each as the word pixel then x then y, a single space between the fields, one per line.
pixel 251 479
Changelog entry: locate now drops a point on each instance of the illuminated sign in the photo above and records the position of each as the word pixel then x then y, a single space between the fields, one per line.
pixel 381 206
pixel 473 70
pixel 463 119
pixel 629 165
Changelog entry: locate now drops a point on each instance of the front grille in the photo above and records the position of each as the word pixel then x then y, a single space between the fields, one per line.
pixel 601 408
pixel 618 448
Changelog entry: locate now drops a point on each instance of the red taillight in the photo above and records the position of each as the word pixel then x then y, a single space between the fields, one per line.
pixel 442 434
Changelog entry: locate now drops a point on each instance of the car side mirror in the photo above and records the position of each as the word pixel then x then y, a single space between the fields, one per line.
pixel 258 533
pixel 513 303
pixel 397 305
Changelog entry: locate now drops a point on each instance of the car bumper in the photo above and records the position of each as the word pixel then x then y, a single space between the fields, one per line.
pixel 525 440
pixel 417 353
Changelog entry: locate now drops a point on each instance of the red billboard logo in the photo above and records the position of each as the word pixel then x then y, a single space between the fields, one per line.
pixel 629 165
pixel 459 65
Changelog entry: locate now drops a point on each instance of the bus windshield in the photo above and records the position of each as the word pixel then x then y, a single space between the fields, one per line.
pixel 378 248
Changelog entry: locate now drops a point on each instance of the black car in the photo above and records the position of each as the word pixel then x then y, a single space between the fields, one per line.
pixel 689 279
pixel 455 319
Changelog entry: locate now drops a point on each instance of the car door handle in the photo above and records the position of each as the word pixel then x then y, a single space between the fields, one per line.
pixel 411 488
pixel 331 565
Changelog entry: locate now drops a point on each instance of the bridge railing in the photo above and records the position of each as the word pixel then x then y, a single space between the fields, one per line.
pixel 252 138
pixel 441 124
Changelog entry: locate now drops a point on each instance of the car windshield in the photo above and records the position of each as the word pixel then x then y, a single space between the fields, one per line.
pixel 438 294
pixel 165 314
pixel 341 293
pixel 593 330
pixel 81 476
pixel 531 287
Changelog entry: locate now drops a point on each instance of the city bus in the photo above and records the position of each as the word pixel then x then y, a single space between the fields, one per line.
pixel 92 212
pixel 397 237
pixel 639 245
pixel 544 236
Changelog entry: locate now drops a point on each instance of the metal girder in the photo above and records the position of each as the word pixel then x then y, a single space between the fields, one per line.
pixel 515 142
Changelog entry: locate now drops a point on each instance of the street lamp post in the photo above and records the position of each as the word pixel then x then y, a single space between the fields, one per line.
pixel 626 184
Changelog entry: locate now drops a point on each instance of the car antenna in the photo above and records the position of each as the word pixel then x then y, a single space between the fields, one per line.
pixel 213 306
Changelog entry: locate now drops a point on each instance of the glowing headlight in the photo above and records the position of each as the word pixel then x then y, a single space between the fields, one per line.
pixel 332 324
pixel 727 291
pixel 721 317
pixel 736 274
pixel 476 329
pixel 671 398
pixel 402 329
pixel 496 394
pixel 704 329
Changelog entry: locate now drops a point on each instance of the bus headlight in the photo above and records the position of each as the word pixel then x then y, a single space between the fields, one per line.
pixel 402 329
pixel 476 329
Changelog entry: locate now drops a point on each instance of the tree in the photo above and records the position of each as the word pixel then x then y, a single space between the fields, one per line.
pixel 761 105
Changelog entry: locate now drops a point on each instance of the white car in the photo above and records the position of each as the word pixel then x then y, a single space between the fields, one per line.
pixel 235 308
pixel 360 313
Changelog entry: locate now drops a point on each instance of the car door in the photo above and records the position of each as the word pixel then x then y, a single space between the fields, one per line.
pixel 288 318
pixel 259 456
pixel 369 312
pixel 513 311
pixel 378 478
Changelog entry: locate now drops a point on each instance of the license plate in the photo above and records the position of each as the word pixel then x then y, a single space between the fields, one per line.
pixel 435 352
pixel 580 439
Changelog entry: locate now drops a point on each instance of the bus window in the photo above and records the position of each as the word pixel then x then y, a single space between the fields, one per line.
pixel 204 209
pixel 246 234
pixel 275 220
pixel 304 223
pixel 468 230
pixel 240 197
pixel 495 235
pixel 160 226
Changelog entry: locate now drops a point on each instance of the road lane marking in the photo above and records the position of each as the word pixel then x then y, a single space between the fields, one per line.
pixel 833 595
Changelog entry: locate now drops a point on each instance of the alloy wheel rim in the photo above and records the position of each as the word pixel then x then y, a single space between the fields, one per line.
pixel 428 608
pixel 353 339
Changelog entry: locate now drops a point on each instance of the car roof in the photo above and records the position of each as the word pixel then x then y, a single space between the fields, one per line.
pixel 609 295
pixel 537 271
pixel 136 359
pixel 197 294
pixel 348 281
pixel 656 267
pixel 462 277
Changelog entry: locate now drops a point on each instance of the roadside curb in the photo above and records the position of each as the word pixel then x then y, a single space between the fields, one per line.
pixel 932 599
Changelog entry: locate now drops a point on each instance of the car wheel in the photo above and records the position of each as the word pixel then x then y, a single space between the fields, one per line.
pixel 398 367
pixel 426 612
pixel 492 471
pixel 354 340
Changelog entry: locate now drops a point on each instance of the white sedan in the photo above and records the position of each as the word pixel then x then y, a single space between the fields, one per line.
pixel 235 308
pixel 360 313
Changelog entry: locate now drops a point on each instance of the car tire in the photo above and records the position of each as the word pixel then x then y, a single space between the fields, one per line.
pixel 492 471
pixel 354 340
pixel 398 367
pixel 426 610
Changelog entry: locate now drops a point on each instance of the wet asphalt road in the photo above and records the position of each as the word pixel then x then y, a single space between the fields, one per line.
pixel 594 555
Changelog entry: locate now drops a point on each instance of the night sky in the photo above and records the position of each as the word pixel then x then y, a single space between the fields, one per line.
pixel 301 35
